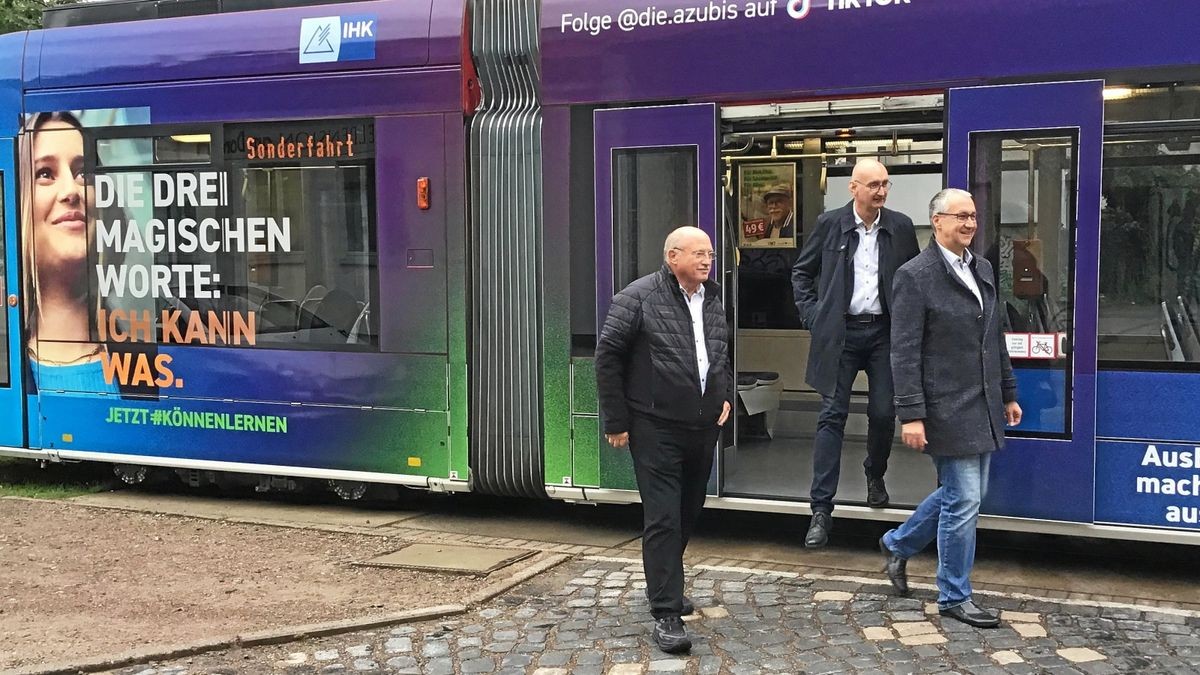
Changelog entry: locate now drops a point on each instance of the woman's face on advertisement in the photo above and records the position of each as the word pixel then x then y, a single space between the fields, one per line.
pixel 59 208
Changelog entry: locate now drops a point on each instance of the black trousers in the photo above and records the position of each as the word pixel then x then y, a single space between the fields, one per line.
pixel 672 465
pixel 868 347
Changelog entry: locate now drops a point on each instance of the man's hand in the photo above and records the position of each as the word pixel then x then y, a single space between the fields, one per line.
pixel 1012 413
pixel 724 415
pixel 618 440
pixel 913 434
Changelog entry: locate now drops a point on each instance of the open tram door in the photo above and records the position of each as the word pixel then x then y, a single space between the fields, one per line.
pixel 1031 156
pixel 656 169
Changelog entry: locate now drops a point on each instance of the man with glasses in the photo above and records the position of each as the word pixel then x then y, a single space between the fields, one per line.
pixel 665 386
pixel 955 391
pixel 842 284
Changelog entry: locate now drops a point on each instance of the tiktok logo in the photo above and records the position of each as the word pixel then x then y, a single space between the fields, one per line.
pixel 798 9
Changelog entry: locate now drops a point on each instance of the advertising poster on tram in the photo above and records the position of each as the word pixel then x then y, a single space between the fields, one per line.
pixel 210 301
pixel 1154 484
pixel 767 197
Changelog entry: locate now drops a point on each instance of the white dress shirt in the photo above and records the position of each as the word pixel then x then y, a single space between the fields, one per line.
pixel 962 267
pixel 865 299
pixel 695 303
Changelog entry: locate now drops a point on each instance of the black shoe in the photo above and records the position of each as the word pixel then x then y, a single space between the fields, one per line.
pixel 877 496
pixel 896 568
pixel 818 530
pixel 671 636
pixel 687 608
pixel 972 615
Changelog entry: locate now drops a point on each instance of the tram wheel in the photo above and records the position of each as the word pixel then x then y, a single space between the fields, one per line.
pixel 131 474
pixel 348 490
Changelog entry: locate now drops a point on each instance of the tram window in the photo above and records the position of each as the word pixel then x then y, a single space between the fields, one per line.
pixel 1024 187
pixel 1150 248
pixel 1152 104
pixel 654 192
pixel 276 232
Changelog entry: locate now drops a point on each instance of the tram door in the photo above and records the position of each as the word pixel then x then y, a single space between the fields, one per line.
pixel 1031 156
pixel 12 409
pixel 656 169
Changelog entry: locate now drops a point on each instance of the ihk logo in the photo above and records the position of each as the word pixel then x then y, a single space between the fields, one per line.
pixel 329 39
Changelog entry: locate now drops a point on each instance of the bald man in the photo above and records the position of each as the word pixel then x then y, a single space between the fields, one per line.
pixel 842 283
pixel 665 387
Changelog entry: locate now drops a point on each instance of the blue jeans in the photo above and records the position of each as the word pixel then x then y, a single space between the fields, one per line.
pixel 868 347
pixel 949 515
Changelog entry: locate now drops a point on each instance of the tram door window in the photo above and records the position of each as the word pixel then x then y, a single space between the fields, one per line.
pixel 654 192
pixel 1024 187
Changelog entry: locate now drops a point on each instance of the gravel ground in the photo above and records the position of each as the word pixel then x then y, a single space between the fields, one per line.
pixel 79 582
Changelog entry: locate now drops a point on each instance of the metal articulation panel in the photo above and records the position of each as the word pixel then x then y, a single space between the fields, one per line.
pixel 506 455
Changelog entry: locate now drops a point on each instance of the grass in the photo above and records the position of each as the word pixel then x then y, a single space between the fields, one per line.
pixel 27 478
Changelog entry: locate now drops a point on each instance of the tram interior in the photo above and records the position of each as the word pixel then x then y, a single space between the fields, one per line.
pixel 784 164
pixel 793 168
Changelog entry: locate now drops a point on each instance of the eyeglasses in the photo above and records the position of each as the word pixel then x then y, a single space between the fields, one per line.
pixel 962 218
pixel 699 255
pixel 877 185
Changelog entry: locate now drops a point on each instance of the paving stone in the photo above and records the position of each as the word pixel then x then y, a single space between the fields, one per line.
pixel 365 664
pixel 326 655
pixel 557 658
pixel 1005 658
pixel 626 669
pixel 1019 617
pixel 398 645
pixel 925 639
pixel 1029 630
pixel 668 666
pixel 1081 655
pixel 878 633
pixel 478 665
pixel 402 663
pixel 833 596
pixel 906 629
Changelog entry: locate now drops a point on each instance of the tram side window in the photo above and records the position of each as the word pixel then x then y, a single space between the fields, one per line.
pixel 1150 247
pixel 265 239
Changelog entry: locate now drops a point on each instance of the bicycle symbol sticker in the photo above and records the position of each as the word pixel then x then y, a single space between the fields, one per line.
pixel 1041 346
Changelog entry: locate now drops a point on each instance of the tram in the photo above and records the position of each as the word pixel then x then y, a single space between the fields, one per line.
pixel 371 242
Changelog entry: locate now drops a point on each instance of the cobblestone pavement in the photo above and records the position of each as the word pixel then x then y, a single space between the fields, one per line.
pixel 590 616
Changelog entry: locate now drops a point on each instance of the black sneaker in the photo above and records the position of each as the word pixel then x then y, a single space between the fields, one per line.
pixel 818 530
pixel 687 608
pixel 671 636
pixel 877 496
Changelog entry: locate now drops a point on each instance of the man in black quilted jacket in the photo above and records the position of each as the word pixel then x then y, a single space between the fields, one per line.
pixel 666 387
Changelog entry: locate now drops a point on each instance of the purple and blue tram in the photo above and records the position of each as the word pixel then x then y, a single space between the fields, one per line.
pixel 371 242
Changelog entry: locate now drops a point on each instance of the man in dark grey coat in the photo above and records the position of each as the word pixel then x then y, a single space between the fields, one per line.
pixel 842 283
pixel 665 385
pixel 954 393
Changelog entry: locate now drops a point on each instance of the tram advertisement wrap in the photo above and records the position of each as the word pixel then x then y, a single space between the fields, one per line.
pixel 1148 484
